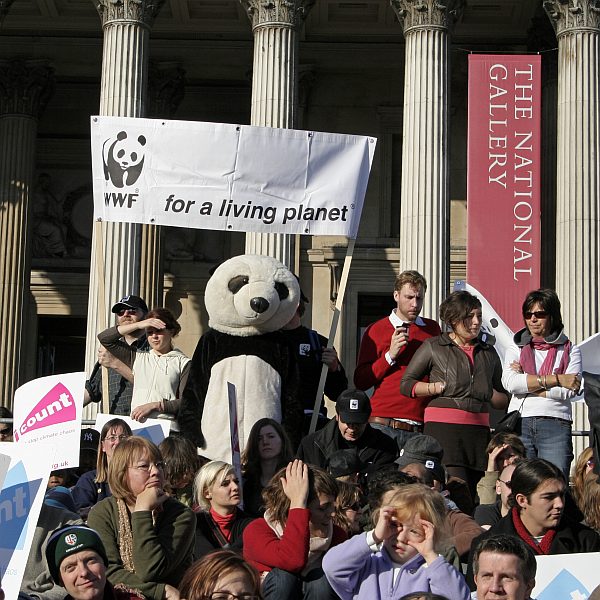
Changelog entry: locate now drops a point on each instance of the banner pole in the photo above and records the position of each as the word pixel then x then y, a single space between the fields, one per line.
pixel 332 331
pixel 102 305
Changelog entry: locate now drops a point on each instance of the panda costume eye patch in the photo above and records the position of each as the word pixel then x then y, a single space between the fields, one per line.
pixel 237 283
pixel 282 290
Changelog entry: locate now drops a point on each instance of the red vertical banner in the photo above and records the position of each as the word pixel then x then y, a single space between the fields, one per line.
pixel 503 180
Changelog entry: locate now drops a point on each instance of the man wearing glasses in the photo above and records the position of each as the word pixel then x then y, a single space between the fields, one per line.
pixel 130 309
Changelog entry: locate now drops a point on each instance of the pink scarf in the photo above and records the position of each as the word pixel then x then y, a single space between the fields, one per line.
pixel 527 358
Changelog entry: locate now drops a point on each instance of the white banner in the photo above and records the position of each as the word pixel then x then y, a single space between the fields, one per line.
pixel 21 497
pixel 155 430
pixel 50 408
pixel 568 576
pixel 229 177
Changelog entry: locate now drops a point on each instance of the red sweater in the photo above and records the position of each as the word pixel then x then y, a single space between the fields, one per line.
pixel 265 551
pixel 373 370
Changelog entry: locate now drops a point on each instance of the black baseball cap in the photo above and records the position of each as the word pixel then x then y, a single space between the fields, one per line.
pixel 425 450
pixel 353 406
pixel 132 302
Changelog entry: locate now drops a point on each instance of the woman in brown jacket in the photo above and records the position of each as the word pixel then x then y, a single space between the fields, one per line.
pixel 463 376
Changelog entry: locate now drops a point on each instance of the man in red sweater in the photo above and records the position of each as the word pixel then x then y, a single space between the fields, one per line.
pixel 385 351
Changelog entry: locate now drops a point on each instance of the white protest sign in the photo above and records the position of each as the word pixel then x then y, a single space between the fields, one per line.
pixel 50 408
pixel 568 576
pixel 21 498
pixel 155 430
pixel 229 177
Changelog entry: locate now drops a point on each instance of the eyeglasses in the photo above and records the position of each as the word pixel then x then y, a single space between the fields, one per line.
pixel 506 483
pixel 538 314
pixel 114 438
pixel 126 311
pixel 230 596
pixel 147 467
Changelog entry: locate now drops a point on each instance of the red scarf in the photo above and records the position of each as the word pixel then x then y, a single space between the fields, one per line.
pixel 544 546
pixel 223 522
pixel 527 358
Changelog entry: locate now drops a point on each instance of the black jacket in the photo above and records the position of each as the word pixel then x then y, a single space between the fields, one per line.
pixel 442 360
pixel 375 449
pixel 571 537
pixel 207 540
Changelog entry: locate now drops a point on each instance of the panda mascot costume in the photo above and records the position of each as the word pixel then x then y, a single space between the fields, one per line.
pixel 249 298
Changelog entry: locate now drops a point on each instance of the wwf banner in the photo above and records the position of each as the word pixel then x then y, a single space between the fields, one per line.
pixel 229 177
pixel 503 180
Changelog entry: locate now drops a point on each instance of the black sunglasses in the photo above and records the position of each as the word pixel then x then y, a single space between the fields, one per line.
pixel 538 314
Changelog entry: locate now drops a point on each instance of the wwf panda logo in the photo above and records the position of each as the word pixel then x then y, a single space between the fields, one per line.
pixel 123 159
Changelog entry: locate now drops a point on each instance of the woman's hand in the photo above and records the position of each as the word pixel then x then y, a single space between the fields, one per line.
pixel 425 546
pixel 150 499
pixel 171 593
pixel 140 413
pixel 571 381
pixel 295 483
pixel 386 524
pixel 493 457
pixel 515 366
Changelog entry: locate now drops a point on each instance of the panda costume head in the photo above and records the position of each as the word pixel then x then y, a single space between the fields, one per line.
pixel 251 295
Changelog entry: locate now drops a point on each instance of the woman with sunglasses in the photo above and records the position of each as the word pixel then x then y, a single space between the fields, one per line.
pixel 543 373
pixel 147 534
pixel 92 486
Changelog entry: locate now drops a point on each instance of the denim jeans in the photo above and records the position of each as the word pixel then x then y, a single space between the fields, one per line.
pixel 550 439
pixel 399 435
pixel 280 585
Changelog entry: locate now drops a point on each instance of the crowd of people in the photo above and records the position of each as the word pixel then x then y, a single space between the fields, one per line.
pixel 405 493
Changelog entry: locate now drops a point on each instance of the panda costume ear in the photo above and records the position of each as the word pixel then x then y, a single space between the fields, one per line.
pixel 121 135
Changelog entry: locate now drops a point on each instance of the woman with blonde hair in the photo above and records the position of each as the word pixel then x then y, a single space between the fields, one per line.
pixel 220 522
pixel 93 486
pixel 590 501
pixel 148 535
pixel 583 465
pixel 400 555
pixel 222 574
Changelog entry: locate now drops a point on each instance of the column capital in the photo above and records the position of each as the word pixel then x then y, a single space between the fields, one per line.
pixel 427 14
pixel 141 11
pixel 573 15
pixel 25 86
pixel 282 13
pixel 166 88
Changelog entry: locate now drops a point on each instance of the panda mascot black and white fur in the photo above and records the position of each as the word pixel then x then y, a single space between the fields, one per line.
pixel 249 298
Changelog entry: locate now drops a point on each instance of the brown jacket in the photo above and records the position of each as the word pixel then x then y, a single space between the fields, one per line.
pixel 442 360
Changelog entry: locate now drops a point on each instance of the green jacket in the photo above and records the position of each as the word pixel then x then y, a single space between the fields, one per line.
pixel 161 553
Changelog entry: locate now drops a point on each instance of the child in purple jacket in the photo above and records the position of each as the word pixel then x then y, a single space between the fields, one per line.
pixel 400 555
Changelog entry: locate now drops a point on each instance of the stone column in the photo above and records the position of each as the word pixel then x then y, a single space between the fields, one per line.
pixel 577 26
pixel 166 83
pixel 276 26
pixel 126 26
pixel 25 87
pixel 425 206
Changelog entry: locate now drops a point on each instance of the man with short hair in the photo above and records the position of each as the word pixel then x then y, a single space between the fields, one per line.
pixel 130 309
pixel 385 351
pixel 504 568
pixel 350 430
pixel 536 515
